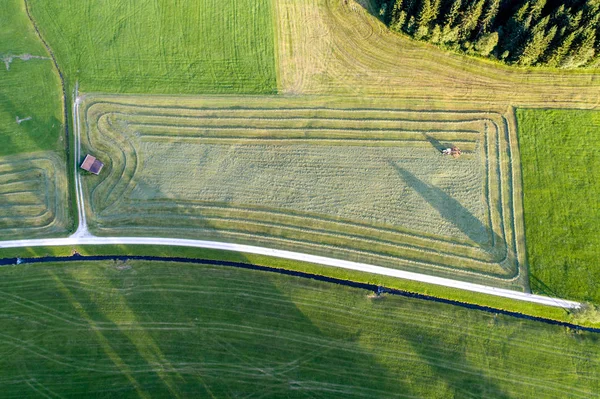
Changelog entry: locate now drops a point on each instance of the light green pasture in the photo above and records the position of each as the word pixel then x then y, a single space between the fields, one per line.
pixel 164 46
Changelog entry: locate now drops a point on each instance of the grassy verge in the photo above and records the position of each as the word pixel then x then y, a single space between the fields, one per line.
pixel 561 176
pixel 152 46
pixel 161 329
pixel 587 317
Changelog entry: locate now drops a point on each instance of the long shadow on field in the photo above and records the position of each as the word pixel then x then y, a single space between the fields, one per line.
pixel 444 352
pixel 540 287
pixel 170 330
pixel 449 208
pixel 35 133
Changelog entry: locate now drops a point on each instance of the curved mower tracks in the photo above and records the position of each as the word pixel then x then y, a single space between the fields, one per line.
pixel 83 237
pixel 366 242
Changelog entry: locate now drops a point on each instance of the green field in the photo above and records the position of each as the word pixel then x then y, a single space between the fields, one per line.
pixel 138 329
pixel 163 46
pixel 33 182
pixel 561 175
pixel 30 88
pixel 338 178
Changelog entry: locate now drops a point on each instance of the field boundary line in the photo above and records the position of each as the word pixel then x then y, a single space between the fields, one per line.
pixel 75 240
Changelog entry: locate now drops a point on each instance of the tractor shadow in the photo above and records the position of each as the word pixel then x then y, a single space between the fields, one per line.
pixel 435 143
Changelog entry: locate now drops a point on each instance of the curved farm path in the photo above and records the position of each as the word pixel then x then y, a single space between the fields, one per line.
pixel 83 237
pixel 88 239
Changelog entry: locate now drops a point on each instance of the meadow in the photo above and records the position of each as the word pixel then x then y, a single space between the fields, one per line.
pixel 163 46
pixel 342 178
pixel 159 329
pixel 33 189
pixel 561 176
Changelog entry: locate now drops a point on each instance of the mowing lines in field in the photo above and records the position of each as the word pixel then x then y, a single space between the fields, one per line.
pixel 336 46
pixel 32 196
pixel 363 183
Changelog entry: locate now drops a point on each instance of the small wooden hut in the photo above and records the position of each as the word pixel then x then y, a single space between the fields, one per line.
pixel 92 165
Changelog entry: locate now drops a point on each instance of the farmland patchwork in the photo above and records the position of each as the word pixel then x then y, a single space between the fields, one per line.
pixel 358 181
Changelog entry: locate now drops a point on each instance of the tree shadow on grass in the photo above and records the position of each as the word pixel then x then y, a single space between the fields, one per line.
pixel 449 208
pixel 173 330
pixel 450 364
pixel 539 286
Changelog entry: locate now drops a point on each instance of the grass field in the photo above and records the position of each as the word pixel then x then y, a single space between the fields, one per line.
pixel 30 89
pixel 33 195
pixel 561 173
pixel 138 329
pixel 164 46
pixel 321 175
pixel 33 183
pixel 336 46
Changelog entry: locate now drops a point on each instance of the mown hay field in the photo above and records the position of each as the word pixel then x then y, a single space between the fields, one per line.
pixel 164 46
pixel 338 47
pixel 561 175
pixel 346 178
pixel 33 196
pixel 160 329
pixel 33 182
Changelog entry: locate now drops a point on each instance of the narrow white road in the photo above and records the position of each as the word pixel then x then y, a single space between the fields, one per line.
pixel 321 260
pixel 83 237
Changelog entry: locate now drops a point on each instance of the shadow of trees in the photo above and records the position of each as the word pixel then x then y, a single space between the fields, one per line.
pixel 448 207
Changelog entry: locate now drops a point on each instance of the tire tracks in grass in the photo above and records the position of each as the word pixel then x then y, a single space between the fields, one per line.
pixel 377 289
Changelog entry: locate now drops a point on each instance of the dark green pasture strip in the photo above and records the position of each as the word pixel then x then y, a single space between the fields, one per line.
pixel 163 329
pixel 561 190
pixel 60 75
pixel 586 318
pixel 377 289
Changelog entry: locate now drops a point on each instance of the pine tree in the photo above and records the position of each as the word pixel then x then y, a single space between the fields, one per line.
pixel 575 20
pixel 426 15
pixel 536 9
pixel 487 43
pixel 471 19
pixel 411 25
pixel 537 45
pixel 436 34
pixel 490 15
pixel 452 14
pixel 395 14
pixel 400 22
pixel 583 51
pixel 436 6
pixel 558 55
